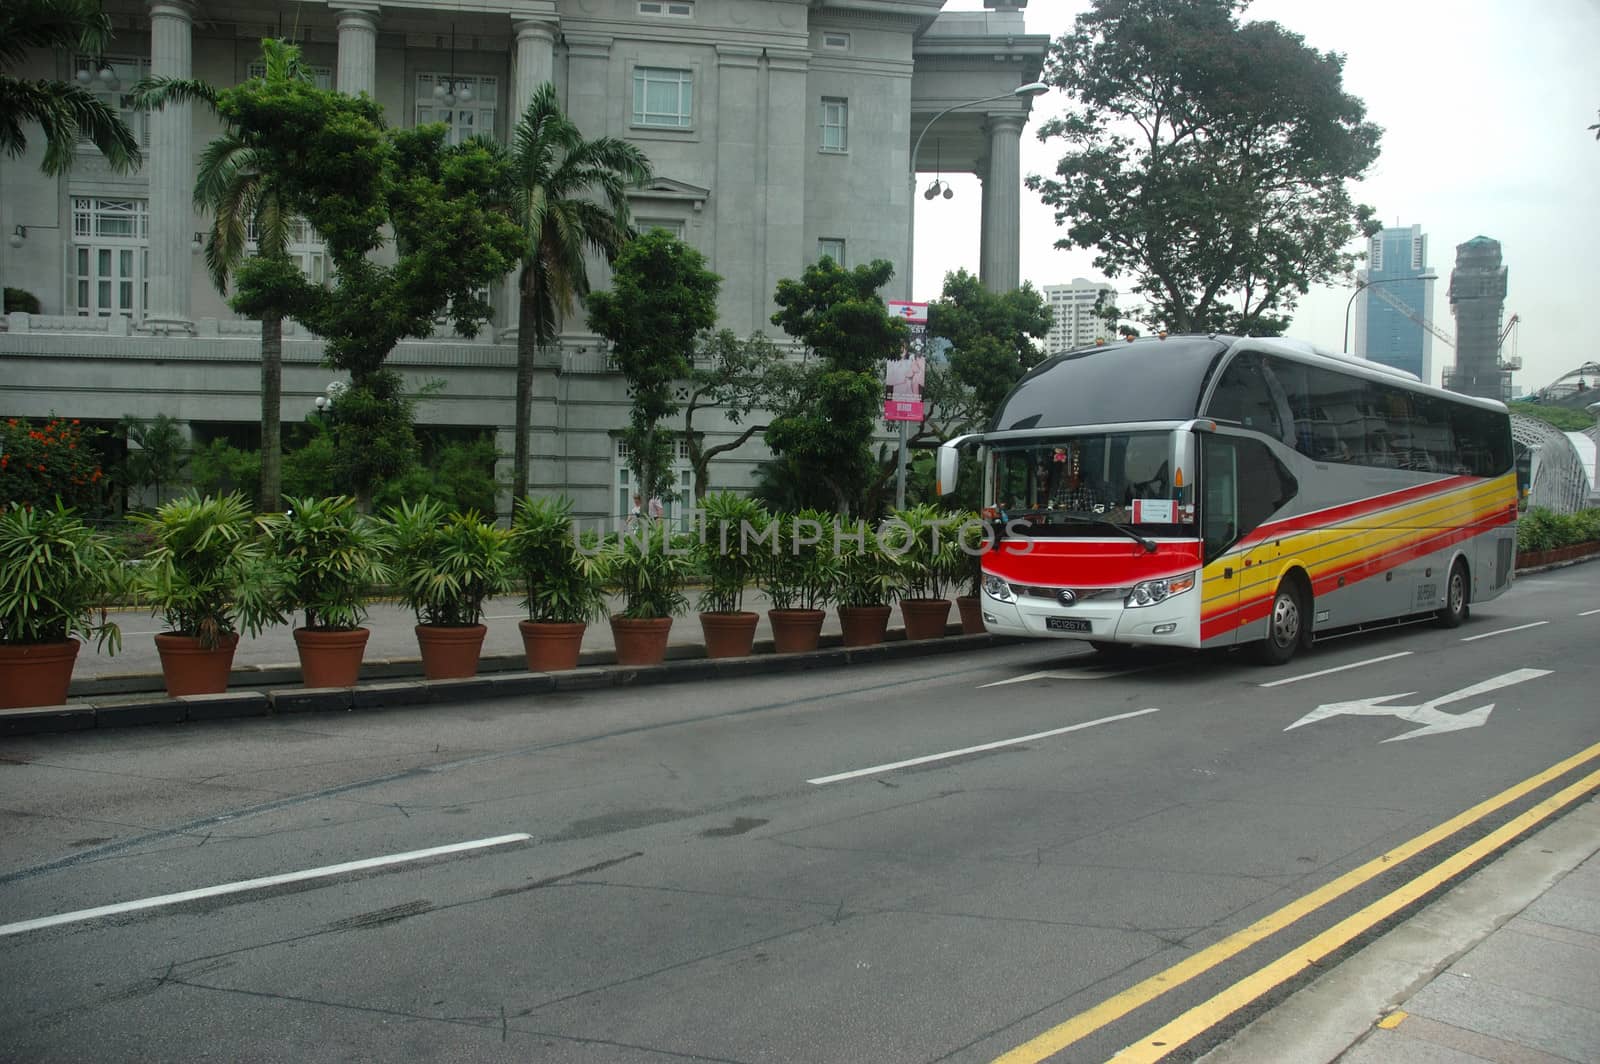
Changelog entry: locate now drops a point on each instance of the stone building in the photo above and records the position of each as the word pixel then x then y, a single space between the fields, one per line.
pixel 779 130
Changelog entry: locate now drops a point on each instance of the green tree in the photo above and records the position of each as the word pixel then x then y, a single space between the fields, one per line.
pixel 662 299
pixel 991 336
pixel 440 210
pixel 230 185
pixel 570 199
pixel 1206 159
pixel 840 317
pixel 158 451
pixel 64 111
pixel 740 377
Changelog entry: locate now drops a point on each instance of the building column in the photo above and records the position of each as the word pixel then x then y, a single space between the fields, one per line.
pixel 1000 260
pixel 358 49
pixel 739 178
pixel 533 64
pixel 171 169
pixel 781 195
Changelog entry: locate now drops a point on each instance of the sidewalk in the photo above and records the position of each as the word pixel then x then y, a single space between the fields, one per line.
pixel 1505 967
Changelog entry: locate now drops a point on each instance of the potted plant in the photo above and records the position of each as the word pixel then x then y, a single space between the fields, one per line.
pixel 205 577
pixel 563 582
pixel 648 567
pixel 971 540
pixel 800 576
pixel 54 572
pixel 924 539
pixel 329 559
pixel 445 566
pixel 869 582
pixel 729 567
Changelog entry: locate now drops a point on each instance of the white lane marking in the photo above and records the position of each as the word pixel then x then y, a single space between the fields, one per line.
pixel 1336 668
pixel 876 769
pixel 256 884
pixel 1588 613
pixel 1503 631
pixel 1067 674
pixel 1433 720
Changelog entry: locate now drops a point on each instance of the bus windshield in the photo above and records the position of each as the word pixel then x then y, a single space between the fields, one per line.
pixel 1073 484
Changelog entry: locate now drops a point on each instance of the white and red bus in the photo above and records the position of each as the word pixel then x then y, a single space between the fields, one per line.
pixel 1204 491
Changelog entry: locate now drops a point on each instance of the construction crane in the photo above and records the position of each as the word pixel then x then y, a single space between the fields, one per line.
pixel 1512 363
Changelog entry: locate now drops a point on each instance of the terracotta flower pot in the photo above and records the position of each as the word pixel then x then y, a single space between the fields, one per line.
pixel 971 610
pixel 729 635
pixel 190 669
pixel 36 675
pixel 641 641
pixel 330 658
pixel 794 631
pixel 551 647
pixel 864 626
pixel 450 652
pixel 925 618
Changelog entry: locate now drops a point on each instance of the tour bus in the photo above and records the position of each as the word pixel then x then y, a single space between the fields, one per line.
pixel 1207 491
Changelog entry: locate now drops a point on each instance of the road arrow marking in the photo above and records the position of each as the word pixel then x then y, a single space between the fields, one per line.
pixel 1428 714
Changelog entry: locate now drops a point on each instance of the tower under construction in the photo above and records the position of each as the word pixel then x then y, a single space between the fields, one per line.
pixel 1477 299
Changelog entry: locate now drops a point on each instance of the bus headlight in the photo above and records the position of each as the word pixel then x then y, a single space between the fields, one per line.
pixel 997 588
pixel 1150 592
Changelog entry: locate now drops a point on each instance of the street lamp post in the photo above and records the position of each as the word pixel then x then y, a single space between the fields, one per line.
pixel 1362 286
pixel 1029 91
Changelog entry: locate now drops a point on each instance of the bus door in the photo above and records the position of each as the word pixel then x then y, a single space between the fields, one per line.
pixel 1219 523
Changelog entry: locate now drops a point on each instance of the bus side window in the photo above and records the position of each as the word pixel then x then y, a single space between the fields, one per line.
pixel 1219 503
pixel 1244 396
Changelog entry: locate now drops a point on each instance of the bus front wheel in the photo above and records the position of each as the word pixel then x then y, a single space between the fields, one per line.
pixel 1285 626
pixel 1457 598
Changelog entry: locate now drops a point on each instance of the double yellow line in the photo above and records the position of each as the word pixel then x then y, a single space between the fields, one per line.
pixel 1211 1012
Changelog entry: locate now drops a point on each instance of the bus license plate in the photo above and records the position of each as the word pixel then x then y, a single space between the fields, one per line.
pixel 1067 624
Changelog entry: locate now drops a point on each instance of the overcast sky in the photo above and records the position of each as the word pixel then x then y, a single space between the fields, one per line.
pixel 1485 106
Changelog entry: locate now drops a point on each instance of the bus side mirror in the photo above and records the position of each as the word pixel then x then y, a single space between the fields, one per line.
pixel 949 460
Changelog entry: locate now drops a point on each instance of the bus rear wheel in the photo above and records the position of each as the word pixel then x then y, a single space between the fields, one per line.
pixel 1457 598
pixel 1285 626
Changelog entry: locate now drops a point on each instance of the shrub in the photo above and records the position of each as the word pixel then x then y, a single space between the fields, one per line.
pixel 55 461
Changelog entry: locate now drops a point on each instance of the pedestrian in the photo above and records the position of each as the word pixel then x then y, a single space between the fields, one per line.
pixel 634 512
pixel 656 509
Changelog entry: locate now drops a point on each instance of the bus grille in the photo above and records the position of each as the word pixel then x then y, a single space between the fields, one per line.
pixel 1084 594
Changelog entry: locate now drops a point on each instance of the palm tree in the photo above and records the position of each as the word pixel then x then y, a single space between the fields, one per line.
pixel 571 199
pixel 230 184
pixel 65 111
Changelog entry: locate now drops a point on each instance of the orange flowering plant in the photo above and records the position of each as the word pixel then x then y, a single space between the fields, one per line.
pixel 54 461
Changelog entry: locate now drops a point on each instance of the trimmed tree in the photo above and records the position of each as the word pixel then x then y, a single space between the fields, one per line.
pixel 840 317
pixel 740 377
pixel 991 336
pixel 662 299
pixel 1206 159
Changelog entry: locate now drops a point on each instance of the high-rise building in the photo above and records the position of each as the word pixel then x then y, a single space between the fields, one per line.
pixel 1076 324
pixel 1478 299
pixel 1401 292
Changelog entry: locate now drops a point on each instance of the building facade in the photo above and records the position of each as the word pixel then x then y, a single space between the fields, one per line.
pixel 1478 299
pixel 779 131
pixel 1389 323
pixel 1075 322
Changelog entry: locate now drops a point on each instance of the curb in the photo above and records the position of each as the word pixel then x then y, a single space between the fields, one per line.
pixel 496 679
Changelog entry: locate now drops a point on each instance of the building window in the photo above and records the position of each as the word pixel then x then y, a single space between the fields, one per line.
pixel 321 76
pixel 111 78
pixel 663 97
pixel 670 225
pixel 837 41
pixel 305 246
pixel 831 248
pixel 1375 255
pixel 667 8
pixel 110 256
pixel 677 506
pixel 835 124
pixel 470 110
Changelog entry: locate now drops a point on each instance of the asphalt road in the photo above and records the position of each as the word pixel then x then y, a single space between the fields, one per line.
pixel 736 871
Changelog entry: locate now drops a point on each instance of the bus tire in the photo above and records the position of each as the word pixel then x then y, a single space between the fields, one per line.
pixel 1457 597
pixel 1286 626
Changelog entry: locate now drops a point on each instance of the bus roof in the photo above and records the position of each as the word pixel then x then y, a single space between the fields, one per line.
pixel 1161 379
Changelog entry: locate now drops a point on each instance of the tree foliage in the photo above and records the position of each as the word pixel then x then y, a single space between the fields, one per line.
pixel 739 377
pixel 64 111
pixel 991 336
pixel 662 299
pixel 569 200
pixel 841 318
pixel 1206 159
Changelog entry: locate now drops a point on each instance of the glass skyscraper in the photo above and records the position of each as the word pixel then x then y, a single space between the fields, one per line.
pixel 1397 269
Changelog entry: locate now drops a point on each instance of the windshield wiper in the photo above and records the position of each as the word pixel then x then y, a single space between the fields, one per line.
pixel 1148 544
